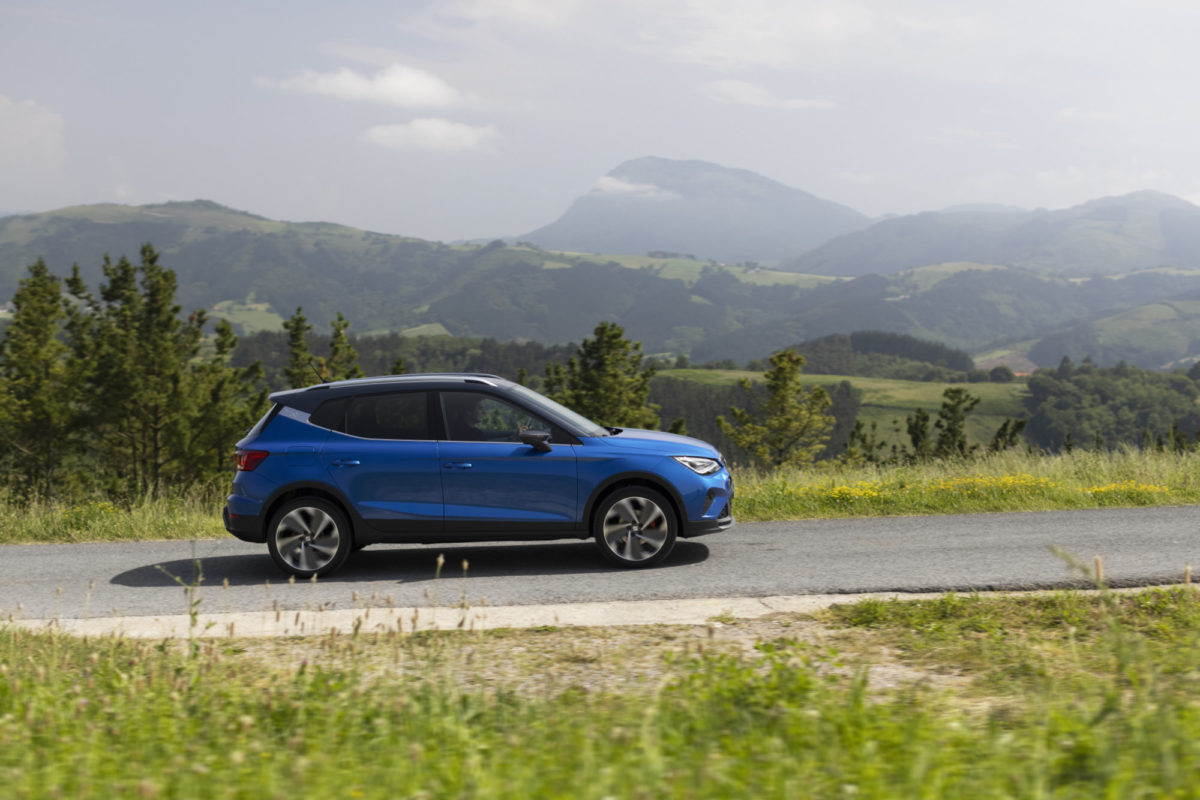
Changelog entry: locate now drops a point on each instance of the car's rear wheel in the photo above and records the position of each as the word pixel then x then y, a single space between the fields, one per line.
pixel 309 536
pixel 635 527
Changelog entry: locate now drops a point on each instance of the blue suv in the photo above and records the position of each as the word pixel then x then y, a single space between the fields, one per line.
pixel 462 458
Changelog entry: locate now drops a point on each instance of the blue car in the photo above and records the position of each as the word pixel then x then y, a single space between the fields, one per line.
pixel 462 458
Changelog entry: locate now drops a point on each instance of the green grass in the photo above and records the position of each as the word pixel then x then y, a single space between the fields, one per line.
pixel 1065 695
pixel 192 515
pixel 1011 481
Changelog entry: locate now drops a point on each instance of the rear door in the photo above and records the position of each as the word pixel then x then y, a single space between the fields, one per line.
pixel 384 457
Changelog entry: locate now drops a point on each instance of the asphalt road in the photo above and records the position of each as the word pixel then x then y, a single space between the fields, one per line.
pixel 897 554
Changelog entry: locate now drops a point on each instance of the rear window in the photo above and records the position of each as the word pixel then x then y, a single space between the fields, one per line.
pixel 389 416
pixel 331 415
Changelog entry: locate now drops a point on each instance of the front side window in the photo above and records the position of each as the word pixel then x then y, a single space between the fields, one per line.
pixel 389 416
pixel 473 417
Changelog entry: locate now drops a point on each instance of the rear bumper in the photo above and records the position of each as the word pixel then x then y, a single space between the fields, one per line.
pixel 247 527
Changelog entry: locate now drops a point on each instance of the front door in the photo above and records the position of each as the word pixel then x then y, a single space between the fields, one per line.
pixel 493 481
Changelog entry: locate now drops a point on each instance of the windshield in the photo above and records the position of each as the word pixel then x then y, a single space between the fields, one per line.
pixel 581 424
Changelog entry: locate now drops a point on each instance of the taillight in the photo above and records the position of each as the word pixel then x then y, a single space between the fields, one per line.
pixel 247 460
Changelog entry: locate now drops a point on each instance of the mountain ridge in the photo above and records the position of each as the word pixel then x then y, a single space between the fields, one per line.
pixel 713 212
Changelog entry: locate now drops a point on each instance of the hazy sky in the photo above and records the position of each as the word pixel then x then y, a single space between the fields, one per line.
pixel 463 118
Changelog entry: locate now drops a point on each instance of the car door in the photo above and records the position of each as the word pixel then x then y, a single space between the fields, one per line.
pixel 384 458
pixel 491 481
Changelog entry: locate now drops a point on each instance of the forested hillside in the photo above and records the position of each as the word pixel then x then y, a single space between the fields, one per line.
pixel 255 272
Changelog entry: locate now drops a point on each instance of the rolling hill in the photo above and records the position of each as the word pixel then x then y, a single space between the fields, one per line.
pixel 255 272
pixel 1109 236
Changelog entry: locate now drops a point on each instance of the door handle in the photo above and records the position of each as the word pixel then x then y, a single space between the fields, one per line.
pixel 345 462
pixel 457 465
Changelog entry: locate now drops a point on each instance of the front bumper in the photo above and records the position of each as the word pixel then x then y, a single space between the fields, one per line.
pixel 701 527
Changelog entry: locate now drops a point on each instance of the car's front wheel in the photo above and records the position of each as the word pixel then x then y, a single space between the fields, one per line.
pixel 635 527
pixel 309 536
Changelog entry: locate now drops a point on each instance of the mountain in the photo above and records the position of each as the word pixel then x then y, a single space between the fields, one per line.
pixel 1109 236
pixel 712 212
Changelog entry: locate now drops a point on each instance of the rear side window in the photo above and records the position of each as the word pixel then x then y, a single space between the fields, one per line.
pixel 389 416
pixel 330 414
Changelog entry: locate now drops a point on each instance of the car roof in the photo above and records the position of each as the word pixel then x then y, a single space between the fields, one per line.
pixel 309 397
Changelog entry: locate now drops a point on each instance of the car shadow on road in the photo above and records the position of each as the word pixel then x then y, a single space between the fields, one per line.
pixel 402 564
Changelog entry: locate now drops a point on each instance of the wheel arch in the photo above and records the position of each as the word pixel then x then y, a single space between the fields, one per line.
pixel 311 490
pixel 644 479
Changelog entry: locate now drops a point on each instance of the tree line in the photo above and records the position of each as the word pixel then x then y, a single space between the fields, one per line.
pixel 115 391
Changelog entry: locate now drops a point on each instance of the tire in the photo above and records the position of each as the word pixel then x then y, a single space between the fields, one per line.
pixel 635 527
pixel 309 536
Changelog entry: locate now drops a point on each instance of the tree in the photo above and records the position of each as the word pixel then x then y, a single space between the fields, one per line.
pixel 140 386
pixel 37 389
pixel 299 371
pixel 606 380
pixel 342 363
pixel 1007 435
pixel 792 426
pixel 919 437
pixel 223 404
pixel 951 423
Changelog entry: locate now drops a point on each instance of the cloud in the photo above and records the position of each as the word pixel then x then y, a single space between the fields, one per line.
pixel 610 185
pixel 33 155
pixel 434 134
pixel 28 129
pixel 394 85
pixel 751 94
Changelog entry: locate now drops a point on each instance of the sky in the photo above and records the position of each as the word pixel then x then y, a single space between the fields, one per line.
pixel 464 119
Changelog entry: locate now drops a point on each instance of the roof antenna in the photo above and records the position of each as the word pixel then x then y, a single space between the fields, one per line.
pixel 317 372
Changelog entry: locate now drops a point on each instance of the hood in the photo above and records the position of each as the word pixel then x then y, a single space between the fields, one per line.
pixel 659 442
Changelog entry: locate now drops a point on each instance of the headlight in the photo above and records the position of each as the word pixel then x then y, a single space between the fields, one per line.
pixel 701 466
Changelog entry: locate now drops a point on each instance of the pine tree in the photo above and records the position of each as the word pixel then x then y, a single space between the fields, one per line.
pixel 140 385
pixel 951 442
pixel 606 380
pixel 793 425
pixel 36 387
pixel 343 358
pixel 223 403
pixel 919 436
pixel 299 371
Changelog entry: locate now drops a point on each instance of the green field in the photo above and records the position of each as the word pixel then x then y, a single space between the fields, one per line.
pixel 888 402
pixel 689 270
pixel 251 316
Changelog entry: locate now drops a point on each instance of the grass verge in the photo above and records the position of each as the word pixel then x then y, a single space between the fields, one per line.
pixel 1063 695
pixel 1011 481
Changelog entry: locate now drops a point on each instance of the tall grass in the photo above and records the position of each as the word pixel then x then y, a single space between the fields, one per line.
pixel 1009 481
pixel 184 515
pixel 1114 716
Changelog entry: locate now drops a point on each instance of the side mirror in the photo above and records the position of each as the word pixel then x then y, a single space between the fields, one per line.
pixel 538 440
